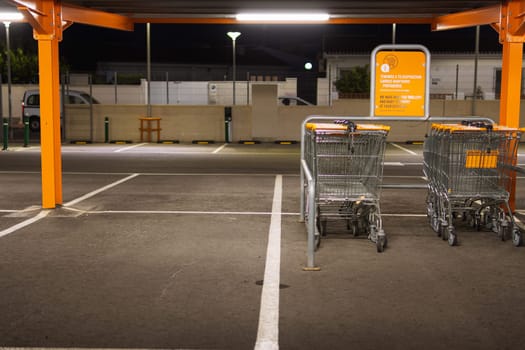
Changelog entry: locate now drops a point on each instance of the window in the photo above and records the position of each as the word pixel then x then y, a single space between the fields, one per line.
pixel 74 100
pixel 33 100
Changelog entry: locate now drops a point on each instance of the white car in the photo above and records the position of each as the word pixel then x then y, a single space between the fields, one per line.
pixel 293 101
pixel 31 104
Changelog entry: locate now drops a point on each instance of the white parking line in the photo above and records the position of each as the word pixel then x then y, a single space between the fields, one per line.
pixel 268 330
pixel 129 147
pixel 25 223
pixel 404 149
pixel 171 212
pixel 217 150
pixel 102 189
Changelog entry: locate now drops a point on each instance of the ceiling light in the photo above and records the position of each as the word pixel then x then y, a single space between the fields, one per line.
pixel 283 17
pixel 11 16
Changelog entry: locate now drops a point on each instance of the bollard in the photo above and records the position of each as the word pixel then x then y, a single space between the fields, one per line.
pixel 227 124
pixel 6 132
pixel 106 129
pixel 26 131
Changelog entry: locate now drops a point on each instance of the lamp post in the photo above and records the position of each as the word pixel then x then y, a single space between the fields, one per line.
pixel 148 67
pixel 7 18
pixel 234 36
pixel 9 104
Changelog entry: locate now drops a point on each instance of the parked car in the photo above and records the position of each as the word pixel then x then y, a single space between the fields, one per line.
pixel 31 104
pixel 293 101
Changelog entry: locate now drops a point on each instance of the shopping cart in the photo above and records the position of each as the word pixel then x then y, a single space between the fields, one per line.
pixel 469 172
pixel 346 164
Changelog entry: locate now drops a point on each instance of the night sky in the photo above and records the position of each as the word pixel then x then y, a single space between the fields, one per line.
pixel 84 45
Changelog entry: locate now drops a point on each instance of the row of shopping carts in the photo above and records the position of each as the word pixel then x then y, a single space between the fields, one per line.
pixel 469 167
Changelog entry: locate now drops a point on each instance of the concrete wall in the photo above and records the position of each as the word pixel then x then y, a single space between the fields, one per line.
pixel 184 123
pixel 265 120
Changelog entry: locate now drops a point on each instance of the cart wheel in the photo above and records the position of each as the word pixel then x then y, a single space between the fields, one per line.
pixel 470 220
pixel 434 222
pixel 502 232
pixel 478 223
pixel 443 232
pixel 517 238
pixel 381 243
pixel 317 241
pixel 355 229
pixel 452 238
pixel 321 226
pixel 473 221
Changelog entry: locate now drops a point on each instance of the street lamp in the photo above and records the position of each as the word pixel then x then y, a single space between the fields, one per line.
pixel 7 18
pixel 233 36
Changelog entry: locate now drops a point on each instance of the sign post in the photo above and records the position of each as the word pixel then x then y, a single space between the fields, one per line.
pixel 400 81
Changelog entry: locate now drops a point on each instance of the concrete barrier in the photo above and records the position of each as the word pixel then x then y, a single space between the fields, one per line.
pixel 187 123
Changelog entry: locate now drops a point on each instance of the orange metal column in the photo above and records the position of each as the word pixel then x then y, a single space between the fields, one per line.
pixel 510 97
pixel 48 22
pixel 49 122
pixel 57 124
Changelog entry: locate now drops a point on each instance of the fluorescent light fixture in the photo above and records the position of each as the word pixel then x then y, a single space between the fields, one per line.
pixel 11 16
pixel 283 17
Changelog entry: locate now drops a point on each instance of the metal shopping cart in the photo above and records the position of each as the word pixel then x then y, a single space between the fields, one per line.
pixel 469 169
pixel 345 161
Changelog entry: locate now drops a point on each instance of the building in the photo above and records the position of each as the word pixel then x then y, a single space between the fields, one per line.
pixel 452 73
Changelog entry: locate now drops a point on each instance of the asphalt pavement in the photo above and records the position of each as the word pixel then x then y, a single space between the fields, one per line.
pixel 200 247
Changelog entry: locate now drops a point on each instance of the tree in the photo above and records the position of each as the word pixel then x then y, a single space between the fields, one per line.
pixel 356 79
pixel 24 67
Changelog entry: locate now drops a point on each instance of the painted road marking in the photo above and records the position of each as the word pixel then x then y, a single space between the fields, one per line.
pixel 404 149
pixel 183 212
pixel 268 330
pixel 124 149
pixel 219 148
pixel 25 223
pixel 102 189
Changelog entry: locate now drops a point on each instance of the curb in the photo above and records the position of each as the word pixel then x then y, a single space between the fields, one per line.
pixel 202 142
pixel 286 142
pixel 120 142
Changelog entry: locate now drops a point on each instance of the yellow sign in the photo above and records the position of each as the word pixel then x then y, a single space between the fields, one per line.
pixel 400 80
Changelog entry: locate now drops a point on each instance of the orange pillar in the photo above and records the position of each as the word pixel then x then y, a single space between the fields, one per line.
pixel 50 122
pixel 57 134
pixel 510 97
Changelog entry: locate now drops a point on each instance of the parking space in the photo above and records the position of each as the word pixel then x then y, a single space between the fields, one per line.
pixel 160 247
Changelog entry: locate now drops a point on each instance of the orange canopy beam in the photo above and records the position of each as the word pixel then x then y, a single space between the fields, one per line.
pixel 481 16
pixel 97 18
pixel 77 14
